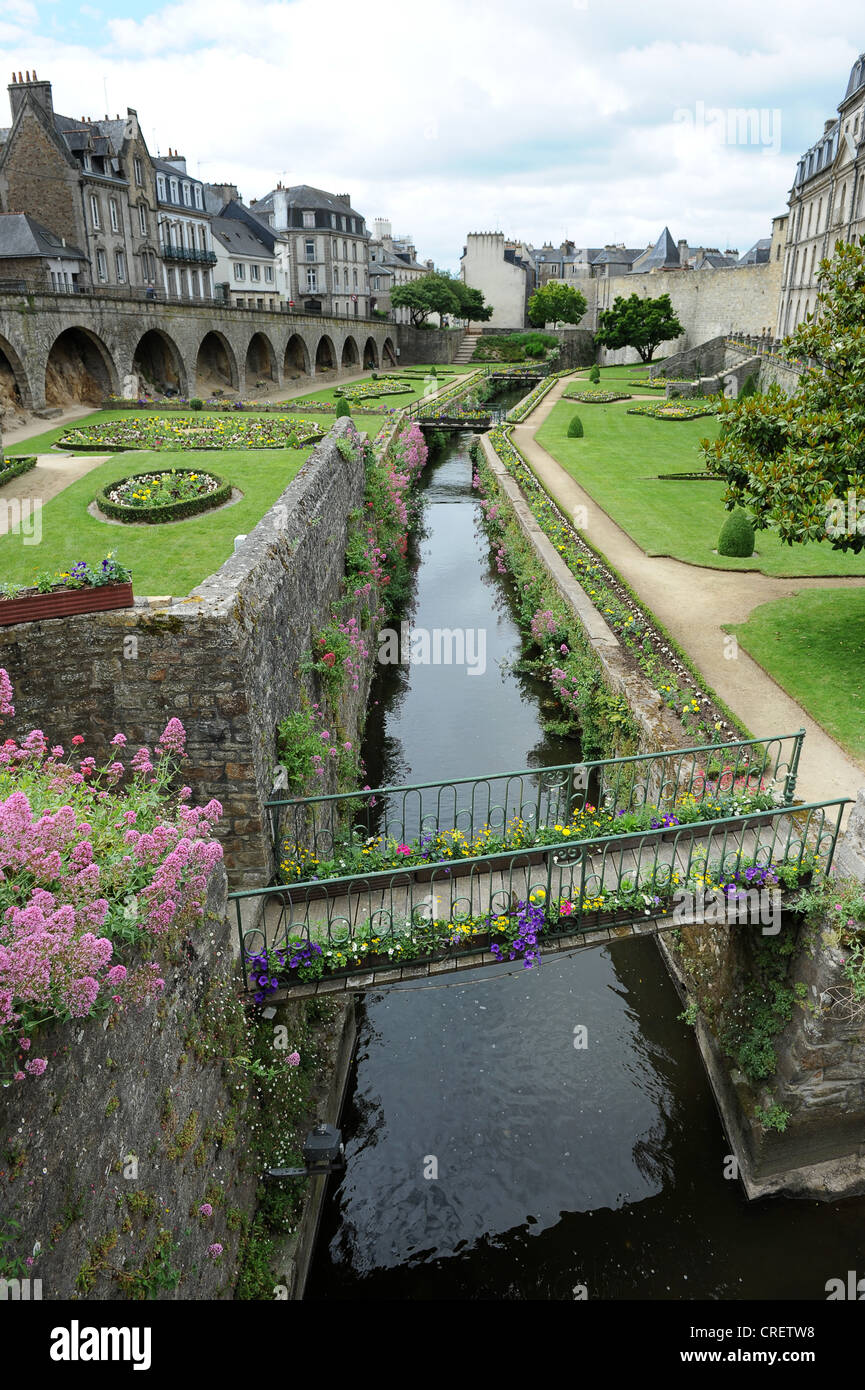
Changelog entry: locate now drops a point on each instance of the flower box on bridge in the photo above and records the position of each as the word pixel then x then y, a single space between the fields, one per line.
pixel 63 603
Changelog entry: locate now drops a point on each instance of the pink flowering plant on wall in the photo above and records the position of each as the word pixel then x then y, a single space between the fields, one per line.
pixel 94 861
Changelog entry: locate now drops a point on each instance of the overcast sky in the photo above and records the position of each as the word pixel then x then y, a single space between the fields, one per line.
pixel 579 118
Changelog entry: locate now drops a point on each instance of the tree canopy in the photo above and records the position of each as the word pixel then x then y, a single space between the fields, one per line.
pixel 556 303
pixel 440 293
pixel 638 323
pixel 798 462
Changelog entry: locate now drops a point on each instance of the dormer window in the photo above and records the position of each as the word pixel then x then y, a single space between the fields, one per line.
pixel 173 186
pixel 87 162
pixel 160 186
pixel 309 219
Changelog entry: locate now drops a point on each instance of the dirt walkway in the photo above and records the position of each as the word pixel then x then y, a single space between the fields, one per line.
pixel 693 603
pixel 52 474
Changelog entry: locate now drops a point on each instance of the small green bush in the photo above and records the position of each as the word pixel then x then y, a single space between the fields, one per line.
pixel 343 407
pixel 196 404
pixel 595 373
pixel 575 428
pixel 749 386
pixel 737 535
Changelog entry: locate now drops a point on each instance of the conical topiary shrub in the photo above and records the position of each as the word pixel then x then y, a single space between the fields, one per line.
pixel 737 535
pixel 575 428
pixel 343 407
pixel 595 373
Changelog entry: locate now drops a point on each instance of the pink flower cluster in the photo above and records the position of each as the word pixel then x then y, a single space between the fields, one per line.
pixel 78 862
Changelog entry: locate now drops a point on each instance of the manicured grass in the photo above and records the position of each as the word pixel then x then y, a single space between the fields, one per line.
pixel 813 645
pixel 445 376
pixel 620 378
pixel 618 461
pixel 168 559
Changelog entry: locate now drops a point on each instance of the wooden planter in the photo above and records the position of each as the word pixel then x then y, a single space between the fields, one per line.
pixel 64 602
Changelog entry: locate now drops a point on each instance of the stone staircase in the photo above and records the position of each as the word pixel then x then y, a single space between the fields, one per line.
pixel 466 348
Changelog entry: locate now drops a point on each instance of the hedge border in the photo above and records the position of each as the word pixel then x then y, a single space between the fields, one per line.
pixel 16 467
pixel 602 398
pixel 167 511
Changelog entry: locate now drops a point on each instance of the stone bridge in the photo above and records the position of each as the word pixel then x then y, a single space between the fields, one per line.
pixel 57 348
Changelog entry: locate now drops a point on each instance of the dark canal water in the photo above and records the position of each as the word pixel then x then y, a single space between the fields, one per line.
pixel 556 1166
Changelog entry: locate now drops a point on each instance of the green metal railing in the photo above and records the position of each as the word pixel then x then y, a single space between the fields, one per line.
pixel 324 825
pixel 451 907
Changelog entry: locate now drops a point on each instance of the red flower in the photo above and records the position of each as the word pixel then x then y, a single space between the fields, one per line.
pixel 78 738
pixel 328 658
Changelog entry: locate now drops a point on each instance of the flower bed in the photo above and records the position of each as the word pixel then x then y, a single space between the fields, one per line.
pixel 56 595
pixel 95 863
pixel 515 935
pixel 152 498
pixel 14 467
pixel 676 410
pixel 596 397
pixel 722 797
pixel 192 432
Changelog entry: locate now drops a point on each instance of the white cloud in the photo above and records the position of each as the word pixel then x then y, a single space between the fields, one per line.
pixel 454 117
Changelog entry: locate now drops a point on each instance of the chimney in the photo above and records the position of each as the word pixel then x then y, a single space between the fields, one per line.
pixel 827 125
pixel 39 91
pixel 343 198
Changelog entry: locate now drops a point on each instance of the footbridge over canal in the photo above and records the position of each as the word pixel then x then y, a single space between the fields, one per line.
pixel 397 883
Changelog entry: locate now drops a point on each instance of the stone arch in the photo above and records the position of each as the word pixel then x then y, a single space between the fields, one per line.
pixel 325 354
pixel 388 353
pixel 350 355
pixel 261 359
pixel 79 367
pixel 370 355
pixel 158 360
pixel 215 363
pixel 15 393
pixel 296 362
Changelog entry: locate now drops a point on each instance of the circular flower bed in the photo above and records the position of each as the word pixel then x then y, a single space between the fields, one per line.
pixel 171 495
pixel 193 432
pixel 597 397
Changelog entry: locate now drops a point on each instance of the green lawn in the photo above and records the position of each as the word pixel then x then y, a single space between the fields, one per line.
pixel 618 461
pixel 446 377
pixel 620 379
pixel 813 645
pixel 168 559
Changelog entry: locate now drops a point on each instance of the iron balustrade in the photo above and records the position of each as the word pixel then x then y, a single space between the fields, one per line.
pixel 438 910
pixel 172 251
pixel 540 797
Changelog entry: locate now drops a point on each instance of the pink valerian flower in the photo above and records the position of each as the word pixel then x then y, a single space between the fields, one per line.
pixel 293 1059
pixel 36 1066
pixel 172 738
pixel 6 705
pixel 119 741
pixel 214 1251
pixel 205 1209
pixel 77 740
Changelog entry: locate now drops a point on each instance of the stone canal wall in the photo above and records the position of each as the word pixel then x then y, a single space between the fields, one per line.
pixel 224 659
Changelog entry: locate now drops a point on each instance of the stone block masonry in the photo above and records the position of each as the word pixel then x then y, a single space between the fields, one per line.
pixel 224 659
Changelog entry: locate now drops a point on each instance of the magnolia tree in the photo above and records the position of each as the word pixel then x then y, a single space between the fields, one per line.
pixel 95 863
pixel 798 462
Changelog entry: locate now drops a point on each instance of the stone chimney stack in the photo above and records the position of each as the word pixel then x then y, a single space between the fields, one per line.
pixel 20 86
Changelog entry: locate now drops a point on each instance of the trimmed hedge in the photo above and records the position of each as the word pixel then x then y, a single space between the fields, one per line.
pixel 167 511
pixel 737 535
pixel 13 468
pixel 575 428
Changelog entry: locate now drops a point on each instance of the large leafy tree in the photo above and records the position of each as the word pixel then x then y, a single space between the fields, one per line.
pixel 638 323
pixel 471 306
pixel 429 294
pixel 555 303
pixel 798 462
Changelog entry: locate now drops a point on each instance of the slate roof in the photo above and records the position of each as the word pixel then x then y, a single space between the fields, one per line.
pixel 857 77
pixel 616 255
pixel 302 195
pixel 237 238
pixel 22 236
pixel 662 256
pixel 758 254
pixel 715 260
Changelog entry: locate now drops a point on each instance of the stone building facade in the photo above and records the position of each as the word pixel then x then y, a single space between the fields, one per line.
pixel 91 182
pixel 826 203
pixel 185 238
pixel 328 248
pixel 392 261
